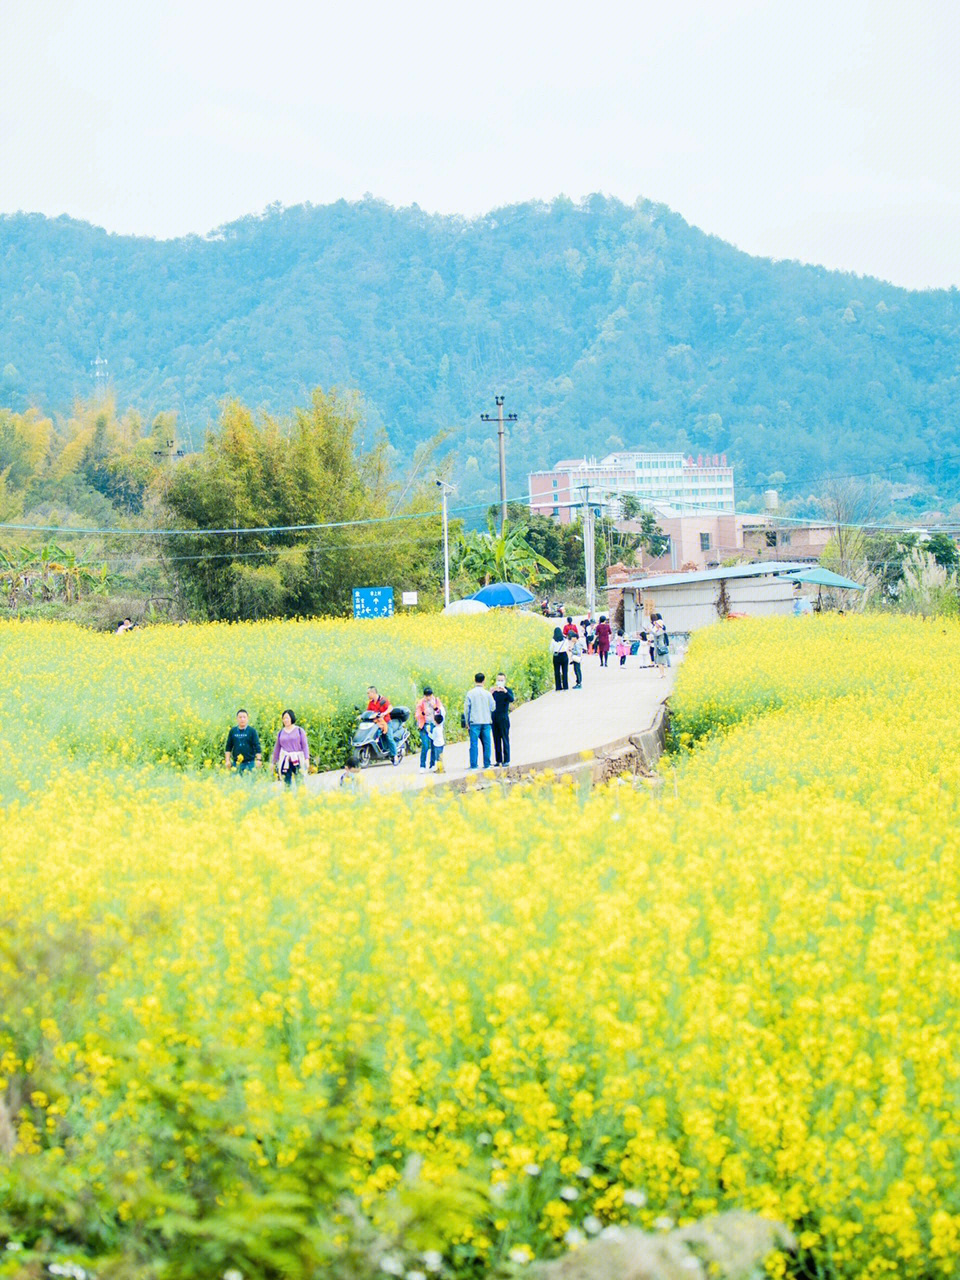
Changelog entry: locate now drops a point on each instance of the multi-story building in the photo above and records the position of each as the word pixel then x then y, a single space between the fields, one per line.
pixel 704 484
pixel 709 539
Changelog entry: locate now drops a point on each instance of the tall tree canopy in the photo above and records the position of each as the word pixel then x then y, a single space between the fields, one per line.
pixel 306 470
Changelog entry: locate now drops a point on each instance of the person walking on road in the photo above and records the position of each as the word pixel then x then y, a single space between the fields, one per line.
pixel 478 709
pixel 502 697
pixel 575 650
pixel 603 633
pixel 243 751
pixel 622 648
pixel 561 660
pixel 291 753
pixel 426 717
pixel 661 647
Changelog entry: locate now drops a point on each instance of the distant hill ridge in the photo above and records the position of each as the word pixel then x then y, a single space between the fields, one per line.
pixel 605 326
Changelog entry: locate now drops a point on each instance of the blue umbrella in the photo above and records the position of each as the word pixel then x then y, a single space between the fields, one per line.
pixel 500 595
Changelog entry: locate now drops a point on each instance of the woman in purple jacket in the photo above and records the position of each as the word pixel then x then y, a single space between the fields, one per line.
pixel 291 754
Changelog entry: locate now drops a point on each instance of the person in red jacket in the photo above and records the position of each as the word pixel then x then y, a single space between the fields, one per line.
pixel 570 628
pixel 602 636
pixel 383 708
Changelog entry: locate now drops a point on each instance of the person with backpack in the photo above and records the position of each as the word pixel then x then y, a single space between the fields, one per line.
pixel 661 647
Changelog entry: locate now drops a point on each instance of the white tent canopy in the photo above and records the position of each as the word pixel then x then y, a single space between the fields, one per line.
pixel 466 606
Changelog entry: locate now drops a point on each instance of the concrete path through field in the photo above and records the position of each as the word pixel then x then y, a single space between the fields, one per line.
pixel 613 703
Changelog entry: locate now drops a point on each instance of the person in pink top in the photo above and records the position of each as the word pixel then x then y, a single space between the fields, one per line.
pixel 291 753
pixel 426 712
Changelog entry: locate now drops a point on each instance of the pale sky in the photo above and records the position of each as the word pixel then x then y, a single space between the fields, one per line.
pixel 828 132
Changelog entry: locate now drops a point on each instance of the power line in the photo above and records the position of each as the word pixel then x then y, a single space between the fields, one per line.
pixel 321 549
pixel 233 532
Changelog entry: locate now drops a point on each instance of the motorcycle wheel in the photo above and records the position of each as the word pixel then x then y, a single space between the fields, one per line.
pixel 365 756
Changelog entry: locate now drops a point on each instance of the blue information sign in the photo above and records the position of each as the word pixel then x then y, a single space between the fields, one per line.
pixel 373 602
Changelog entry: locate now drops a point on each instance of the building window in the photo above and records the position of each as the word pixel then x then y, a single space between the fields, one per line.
pixel 784 539
pixel 704 542
pixel 555 511
pixel 771 536
pixel 554 484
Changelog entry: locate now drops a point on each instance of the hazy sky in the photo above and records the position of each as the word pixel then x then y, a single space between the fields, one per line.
pixel 828 132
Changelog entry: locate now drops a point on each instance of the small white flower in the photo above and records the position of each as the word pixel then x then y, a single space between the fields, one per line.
pixel 663 1224
pixel 496 1164
pixel 416 1275
pixel 615 817
pixel 14 1246
pixel 584 1171
pixel 635 1199
pixel 391 1265
pixel 574 1238
pixel 484 1139
pixel 521 1254
pixel 613 1232
pixel 531 1170
pixel 592 1224
pixel 690 1263
pixel 569 1193
pixel 432 1259
pixel 233 1274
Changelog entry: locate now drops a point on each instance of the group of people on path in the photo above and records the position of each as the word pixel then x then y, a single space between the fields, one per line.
pixel 486 712
pixel 486 717
pixel 569 647
pixel 291 751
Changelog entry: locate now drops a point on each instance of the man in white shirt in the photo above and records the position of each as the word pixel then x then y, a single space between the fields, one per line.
pixel 478 709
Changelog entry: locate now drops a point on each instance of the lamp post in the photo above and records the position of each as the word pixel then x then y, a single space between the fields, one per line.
pixel 510 417
pixel 443 486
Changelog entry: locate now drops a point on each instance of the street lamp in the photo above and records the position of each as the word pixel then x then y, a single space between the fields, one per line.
pixel 443 486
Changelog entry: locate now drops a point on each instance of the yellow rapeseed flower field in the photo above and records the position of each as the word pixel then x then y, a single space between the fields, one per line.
pixel 542 1011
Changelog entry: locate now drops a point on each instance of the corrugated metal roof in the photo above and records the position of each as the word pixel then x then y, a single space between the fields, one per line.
pixel 761 570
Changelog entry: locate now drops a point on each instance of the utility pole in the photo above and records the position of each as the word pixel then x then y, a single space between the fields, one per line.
pixel 443 487
pixel 510 417
pixel 589 554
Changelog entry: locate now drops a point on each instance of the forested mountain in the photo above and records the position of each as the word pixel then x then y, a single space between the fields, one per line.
pixel 604 325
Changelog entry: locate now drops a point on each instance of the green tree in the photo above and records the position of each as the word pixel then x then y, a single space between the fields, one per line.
pixel 652 538
pixel 944 551
pixel 324 512
pixel 487 556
